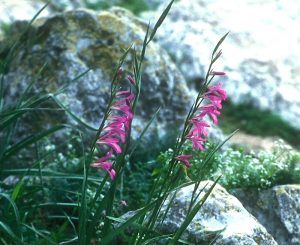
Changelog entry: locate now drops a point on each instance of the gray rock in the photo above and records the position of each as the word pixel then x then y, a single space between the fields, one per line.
pixel 221 212
pixel 259 57
pixel 278 209
pixel 73 42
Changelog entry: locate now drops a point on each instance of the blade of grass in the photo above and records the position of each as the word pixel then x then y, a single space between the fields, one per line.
pixel 219 44
pixel 77 119
pixel 16 212
pixel 31 139
pixel 40 234
pixel 160 21
pixel 8 231
pixel 83 206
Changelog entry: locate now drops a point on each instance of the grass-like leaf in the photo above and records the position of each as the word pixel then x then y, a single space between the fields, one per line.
pixel 160 21
pixel 8 232
pixel 31 139
pixel 219 44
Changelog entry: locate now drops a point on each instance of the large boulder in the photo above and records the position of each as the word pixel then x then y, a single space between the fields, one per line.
pixel 259 55
pixel 278 209
pixel 221 212
pixel 26 10
pixel 73 42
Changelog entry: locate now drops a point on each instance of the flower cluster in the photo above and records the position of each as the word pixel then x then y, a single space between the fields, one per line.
pixel 198 133
pixel 115 132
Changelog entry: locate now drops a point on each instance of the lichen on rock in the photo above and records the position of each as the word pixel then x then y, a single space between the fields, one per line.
pixel 70 43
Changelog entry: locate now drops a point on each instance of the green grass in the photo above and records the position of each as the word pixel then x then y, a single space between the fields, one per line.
pixel 135 6
pixel 252 121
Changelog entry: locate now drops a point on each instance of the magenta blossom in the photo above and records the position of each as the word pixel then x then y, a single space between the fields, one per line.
pixel 130 97
pixel 120 120
pixel 115 130
pixel 131 80
pixel 218 73
pixel 217 91
pixel 110 141
pixel 199 127
pixel 105 165
pixel 197 142
pixel 215 95
pixel 210 110
pixel 184 159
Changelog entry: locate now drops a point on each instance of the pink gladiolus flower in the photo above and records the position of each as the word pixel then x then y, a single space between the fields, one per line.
pixel 116 129
pixel 197 142
pixel 112 142
pixel 218 73
pixel 107 166
pixel 211 111
pixel 131 80
pixel 218 91
pixel 130 97
pixel 121 121
pixel 216 100
pixel 184 159
pixel 124 108
pixel 215 95
pixel 199 127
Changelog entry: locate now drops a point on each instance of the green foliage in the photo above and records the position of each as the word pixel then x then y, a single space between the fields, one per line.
pixel 136 6
pixel 199 169
pixel 253 121
pixel 54 196
pixel 5 28
pixel 243 170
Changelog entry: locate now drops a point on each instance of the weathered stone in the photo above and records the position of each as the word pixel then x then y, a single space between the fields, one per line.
pixel 259 72
pixel 221 211
pixel 73 42
pixel 278 209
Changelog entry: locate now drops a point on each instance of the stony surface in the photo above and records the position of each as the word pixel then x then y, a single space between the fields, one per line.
pixel 278 209
pixel 259 54
pixel 26 10
pixel 220 211
pixel 73 42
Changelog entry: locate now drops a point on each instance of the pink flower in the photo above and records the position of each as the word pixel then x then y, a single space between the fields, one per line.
pixel 130 97
pixel 210 110
pixel 184 159
pixel 119 120
pixel 218 91
pixel 218 73
pixel 131 80
pixel 215 100
pixel 112 142
pixel 197 142
pixel 107 166
pixel 215 95
pixel 117 130
pixel 199 127
pixel 124 108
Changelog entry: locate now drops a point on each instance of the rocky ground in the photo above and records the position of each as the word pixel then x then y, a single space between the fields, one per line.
pixel 261 69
